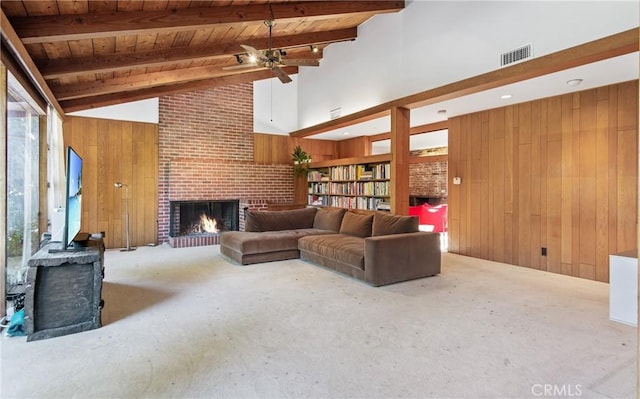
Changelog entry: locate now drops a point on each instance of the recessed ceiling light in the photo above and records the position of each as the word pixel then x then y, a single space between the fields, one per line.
pixel 574 82
pixel 505 96
pixel 346 133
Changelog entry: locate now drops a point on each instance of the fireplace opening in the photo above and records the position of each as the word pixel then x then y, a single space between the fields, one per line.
pixel 189 218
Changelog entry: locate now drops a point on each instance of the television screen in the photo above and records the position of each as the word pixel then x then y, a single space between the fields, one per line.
pixel 73 214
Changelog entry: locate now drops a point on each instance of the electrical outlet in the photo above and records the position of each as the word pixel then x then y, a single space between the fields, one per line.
pixel 544 251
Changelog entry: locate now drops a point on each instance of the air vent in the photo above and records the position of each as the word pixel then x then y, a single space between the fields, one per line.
pixel 517 55
pixel 335 113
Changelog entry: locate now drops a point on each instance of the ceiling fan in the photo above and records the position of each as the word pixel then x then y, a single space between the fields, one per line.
pixel 272 59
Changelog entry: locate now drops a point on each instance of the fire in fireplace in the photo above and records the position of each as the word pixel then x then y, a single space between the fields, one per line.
pixel 189 218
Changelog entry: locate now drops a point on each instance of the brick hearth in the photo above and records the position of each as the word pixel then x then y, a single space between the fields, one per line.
pixel 194 241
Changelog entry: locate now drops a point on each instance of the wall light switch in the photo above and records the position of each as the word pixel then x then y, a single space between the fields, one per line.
pixel 457 180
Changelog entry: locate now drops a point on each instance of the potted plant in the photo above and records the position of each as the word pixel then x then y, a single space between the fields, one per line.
pixel 300 161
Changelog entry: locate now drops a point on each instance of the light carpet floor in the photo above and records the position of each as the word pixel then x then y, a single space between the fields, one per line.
pixel 187 323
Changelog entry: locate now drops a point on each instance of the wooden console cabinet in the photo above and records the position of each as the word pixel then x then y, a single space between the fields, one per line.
pixel 64 291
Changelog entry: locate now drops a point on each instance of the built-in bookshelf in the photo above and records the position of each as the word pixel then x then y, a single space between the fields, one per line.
pixel 354 183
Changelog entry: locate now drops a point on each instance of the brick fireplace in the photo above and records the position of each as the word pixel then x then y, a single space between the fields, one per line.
pixel 196 223
pixel 205 154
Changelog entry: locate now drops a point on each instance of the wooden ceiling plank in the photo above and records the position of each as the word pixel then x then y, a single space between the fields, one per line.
pixel 80 48
pixel 164 40
pixel 139 81
pixel 14 43
pixel 14 8
pixel 49 28
pixel 145 42
pixel 58 50
pixel 124 45
pixel 182 39
pixel 57 68
pixel 155 5
pixel 37 52
pixel 611 46
pixel 129 5
pixel 119 98
pixel 102 6
pixel 73 7
pixel 41 8
pixel 200 37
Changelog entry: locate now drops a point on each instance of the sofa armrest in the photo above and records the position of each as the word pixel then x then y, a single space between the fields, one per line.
pixel 399 257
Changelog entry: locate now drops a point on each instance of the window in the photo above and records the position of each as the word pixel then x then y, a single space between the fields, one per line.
pixel 23 131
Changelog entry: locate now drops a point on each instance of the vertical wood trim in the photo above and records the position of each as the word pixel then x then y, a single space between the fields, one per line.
pixel 454 200
pixel 3 188
pixel 400 120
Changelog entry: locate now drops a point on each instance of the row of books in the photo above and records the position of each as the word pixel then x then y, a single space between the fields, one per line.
pixel 317 175
pixel 361 172
pixel 360 188
pixel 349 202
pixel 379 188
pixel 318 188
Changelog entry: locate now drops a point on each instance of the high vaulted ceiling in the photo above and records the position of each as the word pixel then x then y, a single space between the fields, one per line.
pixel 94 53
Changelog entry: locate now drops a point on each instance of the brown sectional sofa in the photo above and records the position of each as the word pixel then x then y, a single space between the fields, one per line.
pixel 377 248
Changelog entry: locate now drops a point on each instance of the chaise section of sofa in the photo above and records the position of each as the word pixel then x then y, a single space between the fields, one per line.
pixel 272 235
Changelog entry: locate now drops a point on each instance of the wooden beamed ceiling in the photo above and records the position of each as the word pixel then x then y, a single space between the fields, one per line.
pixel 97 53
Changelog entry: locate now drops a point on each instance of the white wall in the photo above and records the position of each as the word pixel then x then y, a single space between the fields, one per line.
pixel 136 111
pixel 432 43
pixel 275 106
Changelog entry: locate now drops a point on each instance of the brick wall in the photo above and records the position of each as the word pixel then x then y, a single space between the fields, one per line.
pixel 428 179
pixel 206 153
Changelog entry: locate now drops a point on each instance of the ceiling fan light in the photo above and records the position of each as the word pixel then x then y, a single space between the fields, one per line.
pixel 314 48
pixel 252 58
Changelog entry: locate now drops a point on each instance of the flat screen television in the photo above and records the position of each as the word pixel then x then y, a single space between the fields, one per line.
pixel 73 204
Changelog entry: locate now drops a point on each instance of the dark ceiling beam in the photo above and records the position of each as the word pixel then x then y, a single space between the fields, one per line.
pixel 52 28
pixel 54 69
pixel 608 47
pixel 142 81
pixel 81 104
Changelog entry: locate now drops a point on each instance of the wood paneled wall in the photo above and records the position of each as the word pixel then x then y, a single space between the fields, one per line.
pixel 117 151
pixel 559 173
pixel 356 147
pixel 277 149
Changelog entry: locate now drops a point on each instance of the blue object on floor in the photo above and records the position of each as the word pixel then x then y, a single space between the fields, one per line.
pixel 16 325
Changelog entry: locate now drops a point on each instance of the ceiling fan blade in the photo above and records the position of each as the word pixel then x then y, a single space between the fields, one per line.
pixel 300 62
pixel 280 74
pixel 256 53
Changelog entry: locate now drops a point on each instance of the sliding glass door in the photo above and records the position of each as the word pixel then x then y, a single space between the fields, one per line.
pixel 23 130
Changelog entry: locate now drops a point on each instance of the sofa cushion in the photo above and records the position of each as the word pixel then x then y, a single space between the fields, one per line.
pixel 339 247
pixel 356 225
pixel 255 243
pixel 392 224
pixel 279 220
pixel 329 219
